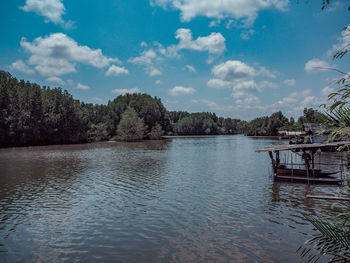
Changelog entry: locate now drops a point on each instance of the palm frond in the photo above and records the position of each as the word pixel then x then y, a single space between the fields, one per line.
pixel 332 240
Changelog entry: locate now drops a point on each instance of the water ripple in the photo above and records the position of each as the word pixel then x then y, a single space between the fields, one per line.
pixel 182 200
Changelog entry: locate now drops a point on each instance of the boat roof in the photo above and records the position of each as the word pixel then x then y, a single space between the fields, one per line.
pixel 290 147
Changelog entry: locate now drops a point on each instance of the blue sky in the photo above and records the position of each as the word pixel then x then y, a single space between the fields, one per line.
pixel 239 59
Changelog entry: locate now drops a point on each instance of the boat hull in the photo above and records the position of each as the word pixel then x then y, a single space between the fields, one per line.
pixel 302 172
pixel 302 179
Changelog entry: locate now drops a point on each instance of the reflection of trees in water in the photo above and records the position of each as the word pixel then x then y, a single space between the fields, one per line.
pixel 62 188
pixel 139 167
pixel 33 178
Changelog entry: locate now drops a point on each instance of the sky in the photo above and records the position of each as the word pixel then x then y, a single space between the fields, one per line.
pixel 237 58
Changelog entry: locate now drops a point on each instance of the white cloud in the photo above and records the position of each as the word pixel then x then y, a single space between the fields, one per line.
pixel 326 91
pixel 20 66
pixel 316 65
pixel 158 82
pixel 245 11
pixel 143 44
pixel 191 68
pixel 343 42
pixel 267 84
pixel 154 72
pixel 125 91
pixel 180 91
pixel 57 54
pixel 56 80
pixel 51 9
pixel 290 82
pixel 214 23
pixel 82 87
pixel 246 85
pixel 247 100
pixel 214 43
pixel 262 71
pixel 245 35
pixel 114 70
pixel 219 84
pixel 233 69
pixel 147 59
pixel 240 79
pixel 296 101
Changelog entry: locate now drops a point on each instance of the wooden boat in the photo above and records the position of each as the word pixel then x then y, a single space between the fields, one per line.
pixel 308 175
pixel 303 179
pixel 303 172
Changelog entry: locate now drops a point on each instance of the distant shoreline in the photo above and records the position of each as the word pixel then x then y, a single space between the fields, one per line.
pixel 196 136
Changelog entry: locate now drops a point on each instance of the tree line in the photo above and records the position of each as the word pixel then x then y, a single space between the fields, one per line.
pixel 34 115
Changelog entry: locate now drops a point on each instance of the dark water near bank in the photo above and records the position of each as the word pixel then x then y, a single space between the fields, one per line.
pixel 181 200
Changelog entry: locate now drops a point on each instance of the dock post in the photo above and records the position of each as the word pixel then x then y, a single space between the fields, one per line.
pixel 277 159
pixel 307 165
pixel 273 163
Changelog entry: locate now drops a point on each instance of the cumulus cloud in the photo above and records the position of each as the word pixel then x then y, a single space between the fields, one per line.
pixel 246 85
pixel 240 78
pixel 262 71
pixel 214 43
pixel 297 101
pixel 82 87
pixel 180 91
pixel 316 65
pixel 268 84
pixel 244 11
pixel 125 91
pixel 20 66
pixel 219 84
pixel 290 82
pixel 57 54
pixel 233 69
pixel 114 70
pixel 154 72
pixel 53 10
pixel 148 58
pixel 56 80
pixel 191 68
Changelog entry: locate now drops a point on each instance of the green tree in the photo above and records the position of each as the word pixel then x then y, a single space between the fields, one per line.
pixel 131 127
pixel 98 132
pixel 156 132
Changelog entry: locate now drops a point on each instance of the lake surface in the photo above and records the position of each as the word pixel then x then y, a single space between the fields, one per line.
pixel 180 200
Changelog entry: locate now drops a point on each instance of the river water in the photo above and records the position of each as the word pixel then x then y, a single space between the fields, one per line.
pixel 179 200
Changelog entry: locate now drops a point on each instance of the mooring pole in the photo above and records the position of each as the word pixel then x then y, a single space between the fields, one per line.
pixel 307 165
pixel 273 163
pixel 277 159
pixel 313 162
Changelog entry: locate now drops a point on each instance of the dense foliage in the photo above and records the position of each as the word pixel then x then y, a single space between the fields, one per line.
pixel 204 123
pixel 31 115
pixel 269 126
pixel 333 238
pixel 131 127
